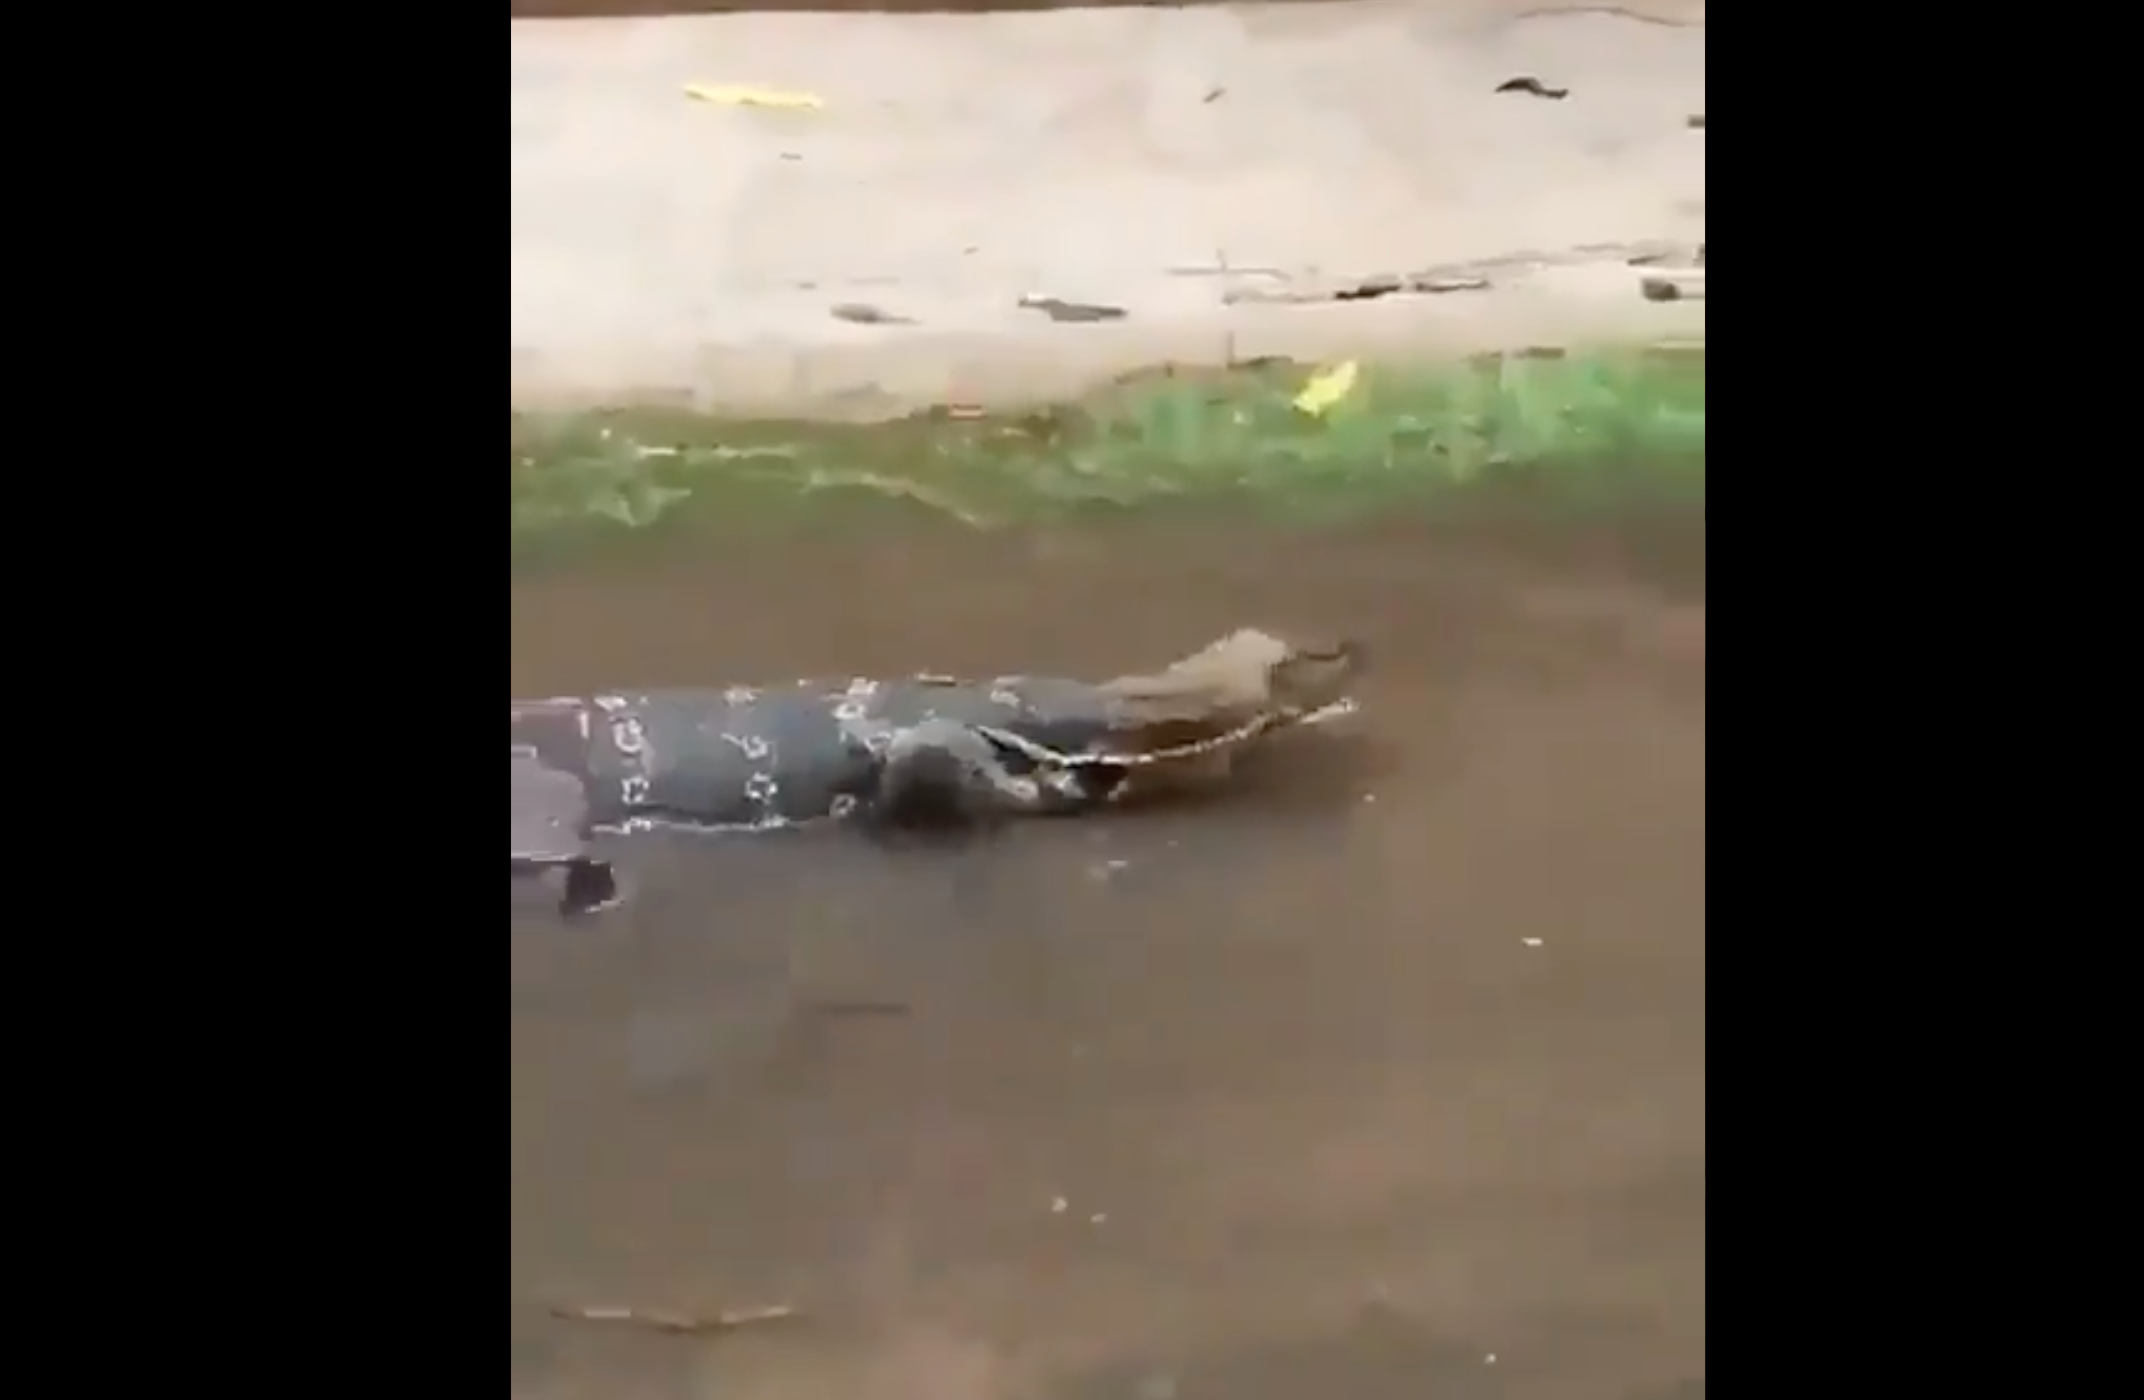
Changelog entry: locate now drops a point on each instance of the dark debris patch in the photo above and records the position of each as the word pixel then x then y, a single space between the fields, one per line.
pixel 1533 87
pixel 1072 312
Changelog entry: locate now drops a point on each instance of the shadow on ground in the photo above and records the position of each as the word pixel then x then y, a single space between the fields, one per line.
pixel 1384 1081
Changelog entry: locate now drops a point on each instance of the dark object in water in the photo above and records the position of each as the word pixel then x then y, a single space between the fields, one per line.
pixel 1533 87
pixel 591 887
pixel 925 754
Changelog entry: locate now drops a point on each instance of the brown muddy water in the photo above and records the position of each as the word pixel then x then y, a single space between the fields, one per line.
pixel 1381 1079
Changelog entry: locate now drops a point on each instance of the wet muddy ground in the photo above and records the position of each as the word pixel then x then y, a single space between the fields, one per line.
pixel 1382 1079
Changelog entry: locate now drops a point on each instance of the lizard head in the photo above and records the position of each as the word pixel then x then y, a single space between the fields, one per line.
pixel 1247 681
pixel 1177 728
pixel 1183 726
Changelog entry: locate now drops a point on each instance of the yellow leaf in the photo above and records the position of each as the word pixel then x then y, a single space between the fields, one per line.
pixel 1326 388
pixel 729 96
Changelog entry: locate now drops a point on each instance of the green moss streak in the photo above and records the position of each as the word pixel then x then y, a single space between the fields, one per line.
pixel 1581 428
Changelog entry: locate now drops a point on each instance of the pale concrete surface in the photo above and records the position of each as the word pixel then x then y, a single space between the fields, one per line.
pixel 666 249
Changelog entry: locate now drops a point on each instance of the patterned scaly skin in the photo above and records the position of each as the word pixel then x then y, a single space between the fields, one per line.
pixel 753 758
pixel 915 749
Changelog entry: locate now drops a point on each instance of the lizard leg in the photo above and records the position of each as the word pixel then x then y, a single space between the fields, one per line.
pixel 549 812
pixel 549 830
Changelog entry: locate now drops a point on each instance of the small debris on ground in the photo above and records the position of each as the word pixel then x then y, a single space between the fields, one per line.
pixel 1695 121
pixel 860 313
pixel 676 1324
pixel 1437 286
pixel 1072 312
pixel 1533 87
pixel 1222 267
pixel 1669 258
pixel 1687 286
pixel 1327 388
pixel 733 95
pixel 1370 288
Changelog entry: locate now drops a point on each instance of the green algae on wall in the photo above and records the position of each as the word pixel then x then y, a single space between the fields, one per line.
pixel 1583 425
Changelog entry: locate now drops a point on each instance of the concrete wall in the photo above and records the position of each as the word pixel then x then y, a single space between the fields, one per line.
pixel 872 254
